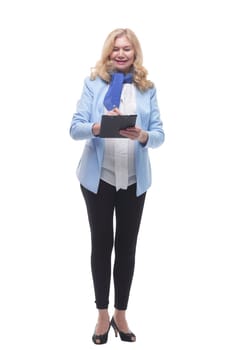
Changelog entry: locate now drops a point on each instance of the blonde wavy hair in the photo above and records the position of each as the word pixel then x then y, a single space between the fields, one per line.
pixel 104 66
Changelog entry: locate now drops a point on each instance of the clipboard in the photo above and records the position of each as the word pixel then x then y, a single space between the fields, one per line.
pixel 112 124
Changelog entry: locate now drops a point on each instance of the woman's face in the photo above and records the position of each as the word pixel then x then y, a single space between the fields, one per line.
pixel 122 55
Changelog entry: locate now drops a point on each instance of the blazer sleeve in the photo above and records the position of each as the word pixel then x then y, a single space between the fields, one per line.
pixel 155 129
pixel 81 124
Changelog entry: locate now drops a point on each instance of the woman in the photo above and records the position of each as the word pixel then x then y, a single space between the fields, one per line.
pixel 115 173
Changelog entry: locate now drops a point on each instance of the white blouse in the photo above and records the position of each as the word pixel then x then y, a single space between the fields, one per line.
pixel 118 168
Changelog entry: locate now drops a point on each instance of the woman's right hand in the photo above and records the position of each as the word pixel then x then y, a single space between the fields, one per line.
pixel 96 129
pixel 114 111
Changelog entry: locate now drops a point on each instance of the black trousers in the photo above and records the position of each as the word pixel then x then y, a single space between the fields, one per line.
pixel 105 235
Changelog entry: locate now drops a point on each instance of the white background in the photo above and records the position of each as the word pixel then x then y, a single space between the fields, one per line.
pixel 182 292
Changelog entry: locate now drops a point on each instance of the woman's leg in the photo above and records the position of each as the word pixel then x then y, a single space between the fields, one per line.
pixel 129 210
pixel 100 208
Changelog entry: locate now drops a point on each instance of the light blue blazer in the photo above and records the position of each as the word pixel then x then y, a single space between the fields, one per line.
pixel 89 110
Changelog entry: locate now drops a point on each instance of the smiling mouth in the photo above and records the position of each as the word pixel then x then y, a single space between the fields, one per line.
pixel 120 61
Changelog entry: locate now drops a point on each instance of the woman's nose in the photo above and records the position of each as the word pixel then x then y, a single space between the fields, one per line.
pixel 121 53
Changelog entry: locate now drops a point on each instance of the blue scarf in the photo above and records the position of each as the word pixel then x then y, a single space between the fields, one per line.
pixel 113 95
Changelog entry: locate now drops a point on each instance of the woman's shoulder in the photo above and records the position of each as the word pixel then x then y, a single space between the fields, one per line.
pixel 93 83
pixel 148 91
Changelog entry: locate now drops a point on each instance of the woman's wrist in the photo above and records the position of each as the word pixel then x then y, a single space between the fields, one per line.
pixel 143 137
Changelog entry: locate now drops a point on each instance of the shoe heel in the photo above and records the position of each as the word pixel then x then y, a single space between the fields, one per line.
pixel 112 323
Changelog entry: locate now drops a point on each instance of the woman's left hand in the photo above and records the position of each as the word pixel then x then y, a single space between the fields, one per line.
pixel 135 133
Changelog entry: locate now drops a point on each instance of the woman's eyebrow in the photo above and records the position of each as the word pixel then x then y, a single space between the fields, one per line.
pixel 124 47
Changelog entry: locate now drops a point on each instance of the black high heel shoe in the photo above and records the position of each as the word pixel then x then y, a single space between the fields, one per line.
pixel 101 338
pixel 130 337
